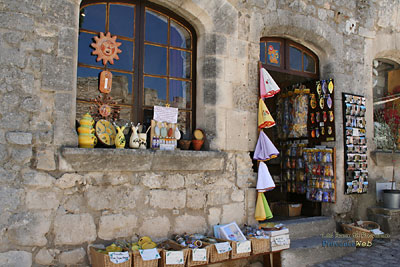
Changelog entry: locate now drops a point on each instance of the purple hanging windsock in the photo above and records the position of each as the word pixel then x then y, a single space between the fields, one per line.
pixel 265 149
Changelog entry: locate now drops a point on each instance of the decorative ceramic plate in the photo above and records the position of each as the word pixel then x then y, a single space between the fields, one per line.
pixel 105 132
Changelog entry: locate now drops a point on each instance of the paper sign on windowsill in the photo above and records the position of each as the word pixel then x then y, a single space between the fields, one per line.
pixel 199 254
pixel 174 257
pixel 118 257
pixel 243 247
pixel 149 254
pixel 165 114
pixel 223 247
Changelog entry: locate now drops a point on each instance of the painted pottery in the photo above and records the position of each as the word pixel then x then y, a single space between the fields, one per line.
pixel 86 120
pixel 87 140
pixel 142 140
pixel 120 140
pixel 86 129
pixel 105 132
pixel 134 140
pixel 197 144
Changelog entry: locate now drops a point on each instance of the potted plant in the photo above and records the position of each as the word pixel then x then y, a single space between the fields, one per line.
pixel 387 127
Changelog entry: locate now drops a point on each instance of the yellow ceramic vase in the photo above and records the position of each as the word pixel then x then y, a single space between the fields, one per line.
pixel 120 140
pixel 87 140
pixel 86 120
pixel 86 130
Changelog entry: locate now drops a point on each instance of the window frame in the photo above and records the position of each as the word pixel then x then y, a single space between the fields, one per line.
pixel 285 57
pixel 138 107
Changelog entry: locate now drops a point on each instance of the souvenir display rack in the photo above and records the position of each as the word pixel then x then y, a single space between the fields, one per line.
pixel 320 168
pixel 293 166
pixel 355 150
pixel 321 121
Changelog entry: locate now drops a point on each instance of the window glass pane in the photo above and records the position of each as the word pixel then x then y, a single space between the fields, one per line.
pixel 155 60
pixel 274 53
pixel 295 58
pixel 179 94
pixel 85 50
pixel 125 61
pixel 179 64
pixel 121 90
pixel 93 18
pixel 156 28
pixel 155 91
pixel 179 36
pixel 125 116
pixel 184 121
pixel 147 117
pixel 262 52
pixel 309 63
pixel 122 20
pixel 87 83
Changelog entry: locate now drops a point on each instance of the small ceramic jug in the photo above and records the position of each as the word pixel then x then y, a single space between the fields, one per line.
pixel 87 140
pixel 120 140
pixel 142 140
pixel 134 140
pixel 86 120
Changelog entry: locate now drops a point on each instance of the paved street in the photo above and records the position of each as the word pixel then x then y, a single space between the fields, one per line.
pixel 384 252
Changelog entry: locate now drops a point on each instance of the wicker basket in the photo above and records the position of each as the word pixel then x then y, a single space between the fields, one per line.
pixel 235 255
pixel 103 260
pixel 215 257
pixel 139 262
pixel 190 261
pixel 360 233
pixel 260 245
pixel 174 247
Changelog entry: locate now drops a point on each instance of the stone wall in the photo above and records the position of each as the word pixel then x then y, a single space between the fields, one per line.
pixel 54 200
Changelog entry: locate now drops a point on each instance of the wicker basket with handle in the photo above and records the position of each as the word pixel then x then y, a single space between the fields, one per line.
pixel 190 261
pixel 139 262
pixel 103 260
pixel 260 245
pixel 218 257
pixel 360 231
pixel 170 245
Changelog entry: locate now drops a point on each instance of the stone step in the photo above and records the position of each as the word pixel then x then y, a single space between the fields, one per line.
pixel 312 250
pixel 310 226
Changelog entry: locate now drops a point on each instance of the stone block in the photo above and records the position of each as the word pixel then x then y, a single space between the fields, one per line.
pixel 215 44
pixel 217 197
pixel 235 71
pixel 31 104
pixel 233 213
pixel 16 21
pixel 237 131
pixel 74 203
pixel 174 181
pixel 214 216
pixel 237 195
pixel 6 177
pixel 66 44
pixel 16 258
pixel 45 160
pixel 14 37
pixel 226 19
pixel 42 200
pixel 3 152
pixel 118 178
pixel 74 229
pixel 72 257
pixel 19 138
pixel 2 136
pixel 29 229
pixel 44 257
pixel 36 179
pixel 157 227
pixel 18 60
pixel 212 67
pixel 62 68
pixel 69 180
pixel 114 197
pixel 196 199
pixel 190 224
pixel 151 180
pixel 210 91
pixel 9 198
pixel 167 199
pixel 14 121
pixel 22 155
pixel 116 226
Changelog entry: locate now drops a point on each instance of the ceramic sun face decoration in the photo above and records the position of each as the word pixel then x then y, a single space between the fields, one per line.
pixel 106 48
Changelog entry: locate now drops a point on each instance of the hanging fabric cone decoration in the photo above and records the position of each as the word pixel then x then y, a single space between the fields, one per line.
pixel 268 212
pixel 264 181
pixel 268 87
pixel 265 119
pixel 265 149
pixel 260 210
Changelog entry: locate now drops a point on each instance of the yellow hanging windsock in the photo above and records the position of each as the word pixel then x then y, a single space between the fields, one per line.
pixel 265 119
pixel 260 210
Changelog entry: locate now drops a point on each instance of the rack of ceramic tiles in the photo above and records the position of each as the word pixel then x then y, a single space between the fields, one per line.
pixel 356 173
pixel 320 169
pixel 293 166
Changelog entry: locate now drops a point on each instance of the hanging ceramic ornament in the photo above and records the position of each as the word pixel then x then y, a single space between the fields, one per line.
pixel 319 90
pixel 265 149
pixel 321 102
pixel 331 116
pixel 264 181
pixel 329 102
pixel 324 87
pixel 313 101
pixel 268 87
pixel 105 82
pixel 329 130
pixel 265 119
pixel 330 86
pixel 106 48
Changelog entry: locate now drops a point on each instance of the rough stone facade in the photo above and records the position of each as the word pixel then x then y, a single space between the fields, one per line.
pixel 54 200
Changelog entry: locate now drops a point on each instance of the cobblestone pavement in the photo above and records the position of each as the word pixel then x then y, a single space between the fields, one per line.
pixel 384 252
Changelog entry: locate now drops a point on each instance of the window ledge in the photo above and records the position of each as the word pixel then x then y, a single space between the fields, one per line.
pixel 384 157
pixel 98 159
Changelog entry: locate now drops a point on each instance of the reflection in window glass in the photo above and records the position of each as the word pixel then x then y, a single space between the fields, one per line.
pixel 179 63
pixel 179 94
pixel 295 58
pixel 309 63
pixel 184 121
pixel 122 20
pixel 155 91
pixel 85 50
pixel 87 83
pixel 262 52
pixel 274 53
pixel 93 18
pixel 156 28
pixel 179 36
pixel 121 91
pixel 155 60
pixel 125 61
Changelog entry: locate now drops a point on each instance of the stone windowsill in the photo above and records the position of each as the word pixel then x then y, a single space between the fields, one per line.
pixel 384 157
pixel 99 159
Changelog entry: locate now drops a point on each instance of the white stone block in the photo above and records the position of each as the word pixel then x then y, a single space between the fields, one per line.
pixel 35 179
pixel 72 257
pixel 69 180
pixel 157 227
pixel 42 200
pixel 233 213
pixel 174 181
pixel 117 225
pixel 74 229
pixel 237 195
pixel 16 258
pixel 196 199
pixel 167 199
pixel 19 138
pixel 190 224
pixel 45 160
pixel 214 216
pixel 44 257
